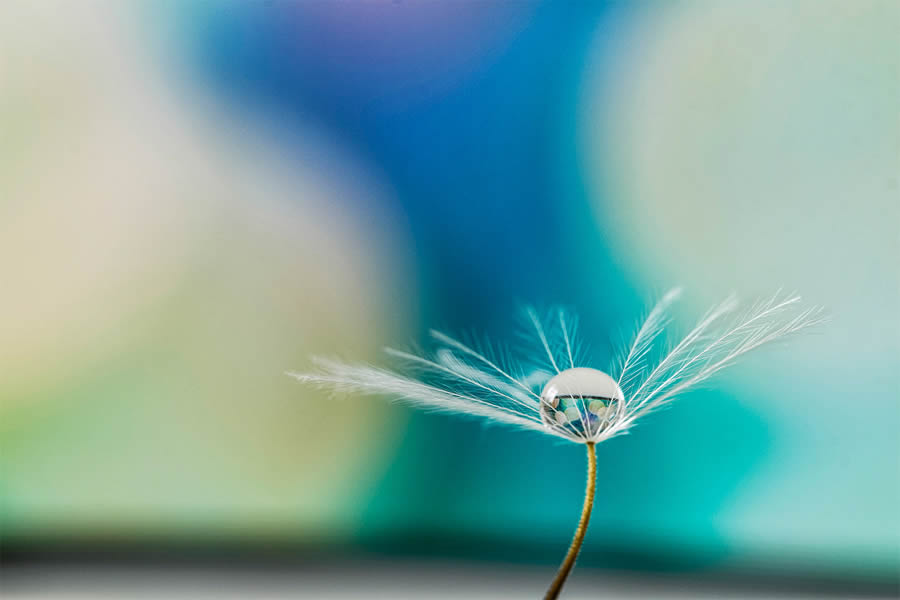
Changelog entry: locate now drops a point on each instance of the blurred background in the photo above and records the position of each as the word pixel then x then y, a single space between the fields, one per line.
pixel 196 196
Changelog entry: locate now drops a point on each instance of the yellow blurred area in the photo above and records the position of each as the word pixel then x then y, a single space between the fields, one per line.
pixel 163 263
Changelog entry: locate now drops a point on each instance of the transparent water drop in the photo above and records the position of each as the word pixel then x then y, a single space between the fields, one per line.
pixel 581 402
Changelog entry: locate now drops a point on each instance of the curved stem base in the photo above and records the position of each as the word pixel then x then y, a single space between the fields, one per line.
pixel 569 561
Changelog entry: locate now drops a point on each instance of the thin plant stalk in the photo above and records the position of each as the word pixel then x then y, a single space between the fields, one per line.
pixel 566 567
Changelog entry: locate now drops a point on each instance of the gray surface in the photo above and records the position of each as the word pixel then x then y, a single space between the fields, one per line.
pixel 385 579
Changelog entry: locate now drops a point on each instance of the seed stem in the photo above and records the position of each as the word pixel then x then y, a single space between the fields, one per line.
pixel 569 562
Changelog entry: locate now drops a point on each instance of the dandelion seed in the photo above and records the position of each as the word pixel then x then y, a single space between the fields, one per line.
pixel 550 391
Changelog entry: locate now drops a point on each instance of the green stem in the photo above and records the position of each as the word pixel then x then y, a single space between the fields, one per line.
pixel 569 562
